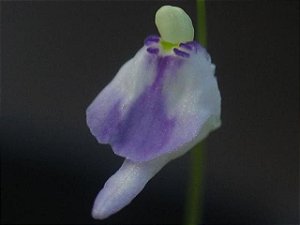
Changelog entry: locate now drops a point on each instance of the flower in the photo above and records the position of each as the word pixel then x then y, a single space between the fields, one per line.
pixel 159 105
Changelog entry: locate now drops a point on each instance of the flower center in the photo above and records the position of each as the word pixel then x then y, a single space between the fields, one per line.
pixel 155 45
pixel 158 46
pixel 167 46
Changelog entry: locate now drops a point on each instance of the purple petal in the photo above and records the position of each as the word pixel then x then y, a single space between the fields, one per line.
pixel 155 105
pixel 146 129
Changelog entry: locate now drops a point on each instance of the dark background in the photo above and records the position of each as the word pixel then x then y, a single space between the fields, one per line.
pixel 56 57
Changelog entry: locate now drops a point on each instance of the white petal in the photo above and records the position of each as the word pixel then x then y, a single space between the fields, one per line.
pixel 122 187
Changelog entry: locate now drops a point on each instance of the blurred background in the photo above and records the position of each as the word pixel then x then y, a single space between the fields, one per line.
pixel 57 56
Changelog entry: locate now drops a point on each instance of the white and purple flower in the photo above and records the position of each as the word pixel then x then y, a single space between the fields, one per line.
pixel 159 105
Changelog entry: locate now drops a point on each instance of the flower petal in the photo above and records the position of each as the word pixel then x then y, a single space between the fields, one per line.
pixel 157 102
pixel 122 187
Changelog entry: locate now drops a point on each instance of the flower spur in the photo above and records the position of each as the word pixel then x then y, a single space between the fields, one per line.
pixel 159 105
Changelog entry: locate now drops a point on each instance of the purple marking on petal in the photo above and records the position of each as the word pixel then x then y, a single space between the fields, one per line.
pixel 153 50
pixel 198 48
pixel 181 53
pixel 151 39
pixel 146 128
pixel 192 44
pixel 186 46
pixel 109 127
pixel 143 130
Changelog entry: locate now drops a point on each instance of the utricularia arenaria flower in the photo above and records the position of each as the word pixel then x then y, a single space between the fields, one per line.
pixel 160 104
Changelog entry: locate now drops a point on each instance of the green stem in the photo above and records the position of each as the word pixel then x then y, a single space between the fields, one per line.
pixel 195 187
pixel 194 199
pixel 201 32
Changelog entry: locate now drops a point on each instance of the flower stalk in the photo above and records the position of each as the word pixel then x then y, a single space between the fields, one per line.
pixel 195 190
